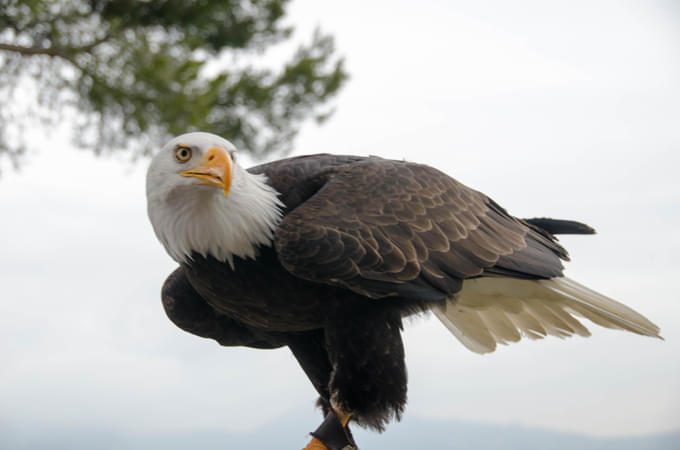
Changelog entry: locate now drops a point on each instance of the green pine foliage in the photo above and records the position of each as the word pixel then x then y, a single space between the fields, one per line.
pixel 140 71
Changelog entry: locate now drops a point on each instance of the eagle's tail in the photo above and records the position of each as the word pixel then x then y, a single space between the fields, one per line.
pixel 490 311
pixel 560 226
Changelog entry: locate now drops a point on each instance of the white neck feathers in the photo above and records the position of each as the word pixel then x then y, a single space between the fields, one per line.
pixel 201 219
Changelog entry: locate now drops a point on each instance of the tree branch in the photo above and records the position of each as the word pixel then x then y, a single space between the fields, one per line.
pixel 31 51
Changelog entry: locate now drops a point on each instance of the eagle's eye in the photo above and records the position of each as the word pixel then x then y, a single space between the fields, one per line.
pixel 182 154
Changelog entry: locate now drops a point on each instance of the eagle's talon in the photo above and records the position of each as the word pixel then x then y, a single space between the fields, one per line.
pixel 333 433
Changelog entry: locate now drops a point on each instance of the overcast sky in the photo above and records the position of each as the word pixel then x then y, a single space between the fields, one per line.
pixel 562 109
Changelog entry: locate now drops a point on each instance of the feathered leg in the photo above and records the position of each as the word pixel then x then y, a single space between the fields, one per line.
pixel 309 349
pixel 369 373
pixel 368 380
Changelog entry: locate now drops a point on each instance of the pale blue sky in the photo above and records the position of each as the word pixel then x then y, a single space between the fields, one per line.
pixel 564 109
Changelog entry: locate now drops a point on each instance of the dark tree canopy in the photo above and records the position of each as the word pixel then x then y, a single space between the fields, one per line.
pixel 137 72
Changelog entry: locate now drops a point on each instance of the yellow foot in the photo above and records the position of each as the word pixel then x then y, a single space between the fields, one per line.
pixel 344 418
pixel 315 444
pixel 334 432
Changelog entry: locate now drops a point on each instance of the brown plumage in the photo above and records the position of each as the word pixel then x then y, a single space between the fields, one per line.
pixel 392 228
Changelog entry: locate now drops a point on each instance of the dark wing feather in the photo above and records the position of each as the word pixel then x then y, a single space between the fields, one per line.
pixel 559 226
pixel 189 311
pixel 384 228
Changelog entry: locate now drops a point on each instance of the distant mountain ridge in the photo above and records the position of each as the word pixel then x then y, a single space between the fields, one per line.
pixel 287 433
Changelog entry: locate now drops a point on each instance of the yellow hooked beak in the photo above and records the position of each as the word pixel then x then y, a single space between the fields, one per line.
pixel 215 169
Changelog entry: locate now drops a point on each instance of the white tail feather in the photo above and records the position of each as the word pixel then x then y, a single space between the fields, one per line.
pixel 490 311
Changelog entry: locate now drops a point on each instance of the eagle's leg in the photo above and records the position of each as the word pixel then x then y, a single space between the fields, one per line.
pixel 187 309
pixel 332 434
pixel 367 355
pixel 309 348
pixel 368 380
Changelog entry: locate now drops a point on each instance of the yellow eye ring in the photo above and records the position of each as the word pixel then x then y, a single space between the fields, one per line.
pixel 182 154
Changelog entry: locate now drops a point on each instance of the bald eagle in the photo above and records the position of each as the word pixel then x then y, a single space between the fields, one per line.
pixel 326 254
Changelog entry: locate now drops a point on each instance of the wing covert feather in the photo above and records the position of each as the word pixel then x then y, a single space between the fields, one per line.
pixel 392 228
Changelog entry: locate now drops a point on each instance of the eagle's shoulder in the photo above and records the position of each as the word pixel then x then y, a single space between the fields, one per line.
pixel 299 178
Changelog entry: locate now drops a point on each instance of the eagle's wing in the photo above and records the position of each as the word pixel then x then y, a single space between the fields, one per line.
pixel 189 311
pixel 385 228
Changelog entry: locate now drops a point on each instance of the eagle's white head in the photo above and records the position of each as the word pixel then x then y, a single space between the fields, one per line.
pixel 199 200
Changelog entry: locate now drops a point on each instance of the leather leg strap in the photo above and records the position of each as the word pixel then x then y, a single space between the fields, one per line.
pixel 333 434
